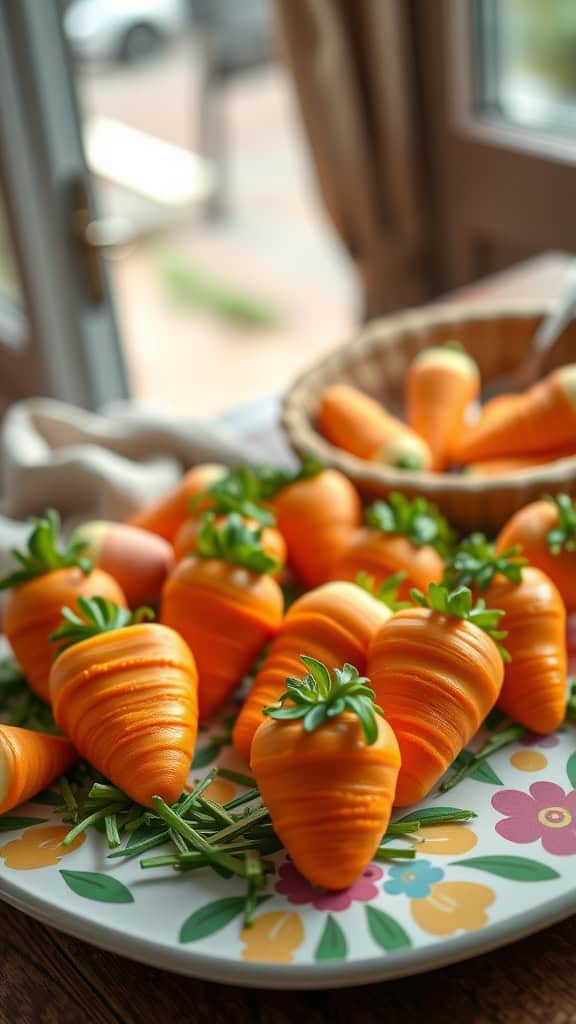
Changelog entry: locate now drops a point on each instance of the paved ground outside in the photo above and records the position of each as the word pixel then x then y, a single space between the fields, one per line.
pixel 275 244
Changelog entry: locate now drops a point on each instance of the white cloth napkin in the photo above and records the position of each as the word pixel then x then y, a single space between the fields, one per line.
pixel 96 466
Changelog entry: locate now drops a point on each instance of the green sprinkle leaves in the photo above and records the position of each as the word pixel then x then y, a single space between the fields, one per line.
pixel 475 564
pixel 43 553
pixel 95 615
pixel 458 604
pixel 235 542
pixel 387 592
pixel 319 696
pixel 563 536
pixel 415 518
pixel 240 491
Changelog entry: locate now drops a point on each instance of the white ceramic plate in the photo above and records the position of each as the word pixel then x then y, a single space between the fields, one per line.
pixel 509 872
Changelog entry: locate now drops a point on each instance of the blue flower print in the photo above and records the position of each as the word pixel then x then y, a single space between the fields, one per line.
pixel 413 879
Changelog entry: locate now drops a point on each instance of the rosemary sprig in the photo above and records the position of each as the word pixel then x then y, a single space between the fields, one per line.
pixel 18 705
pixel 496 742
pixel 458 604
pixel 44 553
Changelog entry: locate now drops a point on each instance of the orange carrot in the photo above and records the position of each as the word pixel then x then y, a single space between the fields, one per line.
pixel 441 384
pixel 186 540
pixel 534 688
pixel 437 671
pixel 125 691
pixel 334 623
pixel 546 532
pixel 351 420
pixel 47 579
pixel 166 516
pixel 544 419
pixel 401 535
pixel 316 510
pixel 488 468
pixel 326 765
pixel 138 560
pixel 224 604
pixel 30 761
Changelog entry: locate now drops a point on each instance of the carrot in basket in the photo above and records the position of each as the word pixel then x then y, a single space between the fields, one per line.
pixel 138 560
pixel 441 384
pixel 225 604
pixel 401 535
pixel 334 624
pixel 351 420
pixel 30 761
pixel 316 510
pixel 166 516
pixel 488 468
pixel 534 688
pixel 542 419
pixel 437 671
pixel 326 764
pixel 47 577
pixel 546 532
pixel 125 692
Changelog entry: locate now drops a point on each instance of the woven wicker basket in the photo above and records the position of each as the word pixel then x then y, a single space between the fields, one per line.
pixel 377 361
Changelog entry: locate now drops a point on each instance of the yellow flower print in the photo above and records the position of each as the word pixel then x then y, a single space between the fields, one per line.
pixel 453 907
pixel 529 760
pixel 273 937
pixel 440 840
pixel 39 848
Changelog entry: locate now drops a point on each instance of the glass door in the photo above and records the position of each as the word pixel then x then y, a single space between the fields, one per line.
pixel 58 335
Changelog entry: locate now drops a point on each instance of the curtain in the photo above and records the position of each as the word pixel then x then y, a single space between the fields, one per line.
pixel 354 72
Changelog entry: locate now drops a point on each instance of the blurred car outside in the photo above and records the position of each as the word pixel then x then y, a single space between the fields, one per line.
pixel 123 30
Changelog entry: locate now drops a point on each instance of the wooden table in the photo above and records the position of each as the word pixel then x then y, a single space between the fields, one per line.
pixel 48 978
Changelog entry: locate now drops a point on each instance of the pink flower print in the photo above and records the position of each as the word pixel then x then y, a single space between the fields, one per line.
pixel 297 890
pixel 546 812
pixel 534 739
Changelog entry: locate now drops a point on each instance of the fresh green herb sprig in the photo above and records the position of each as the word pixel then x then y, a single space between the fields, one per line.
pixel 458 604
pixel 273 480
pixel 44 553
pixel 563 536
pixel 475 563
pixel 571 703
pixel 320 695
pixel 415 518
pixel 240 491
pixel 496 742
pixel 96 615
pixel 387 592
pixel 233 541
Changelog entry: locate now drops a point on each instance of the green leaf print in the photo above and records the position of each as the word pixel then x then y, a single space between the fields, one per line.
pixel 12 823
pixel 332 944
pixel 213 917
pixel 93 886
pixel 386 931
pixel 519 869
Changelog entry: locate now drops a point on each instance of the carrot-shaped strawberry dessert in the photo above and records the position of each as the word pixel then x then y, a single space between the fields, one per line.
pixel 543 418
pixel 401 535
pixel 437 670
pixel 546 532
pixel 225 604
pixel 125 692
pixel 316 510
pixel 326 764
pixel 49 575
pixel 534 688
pixel 138 560
pixel 334 623
pixel 238 491
pixel 358 424
pixel 165 517
pixel 441 384
pixel 30 761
